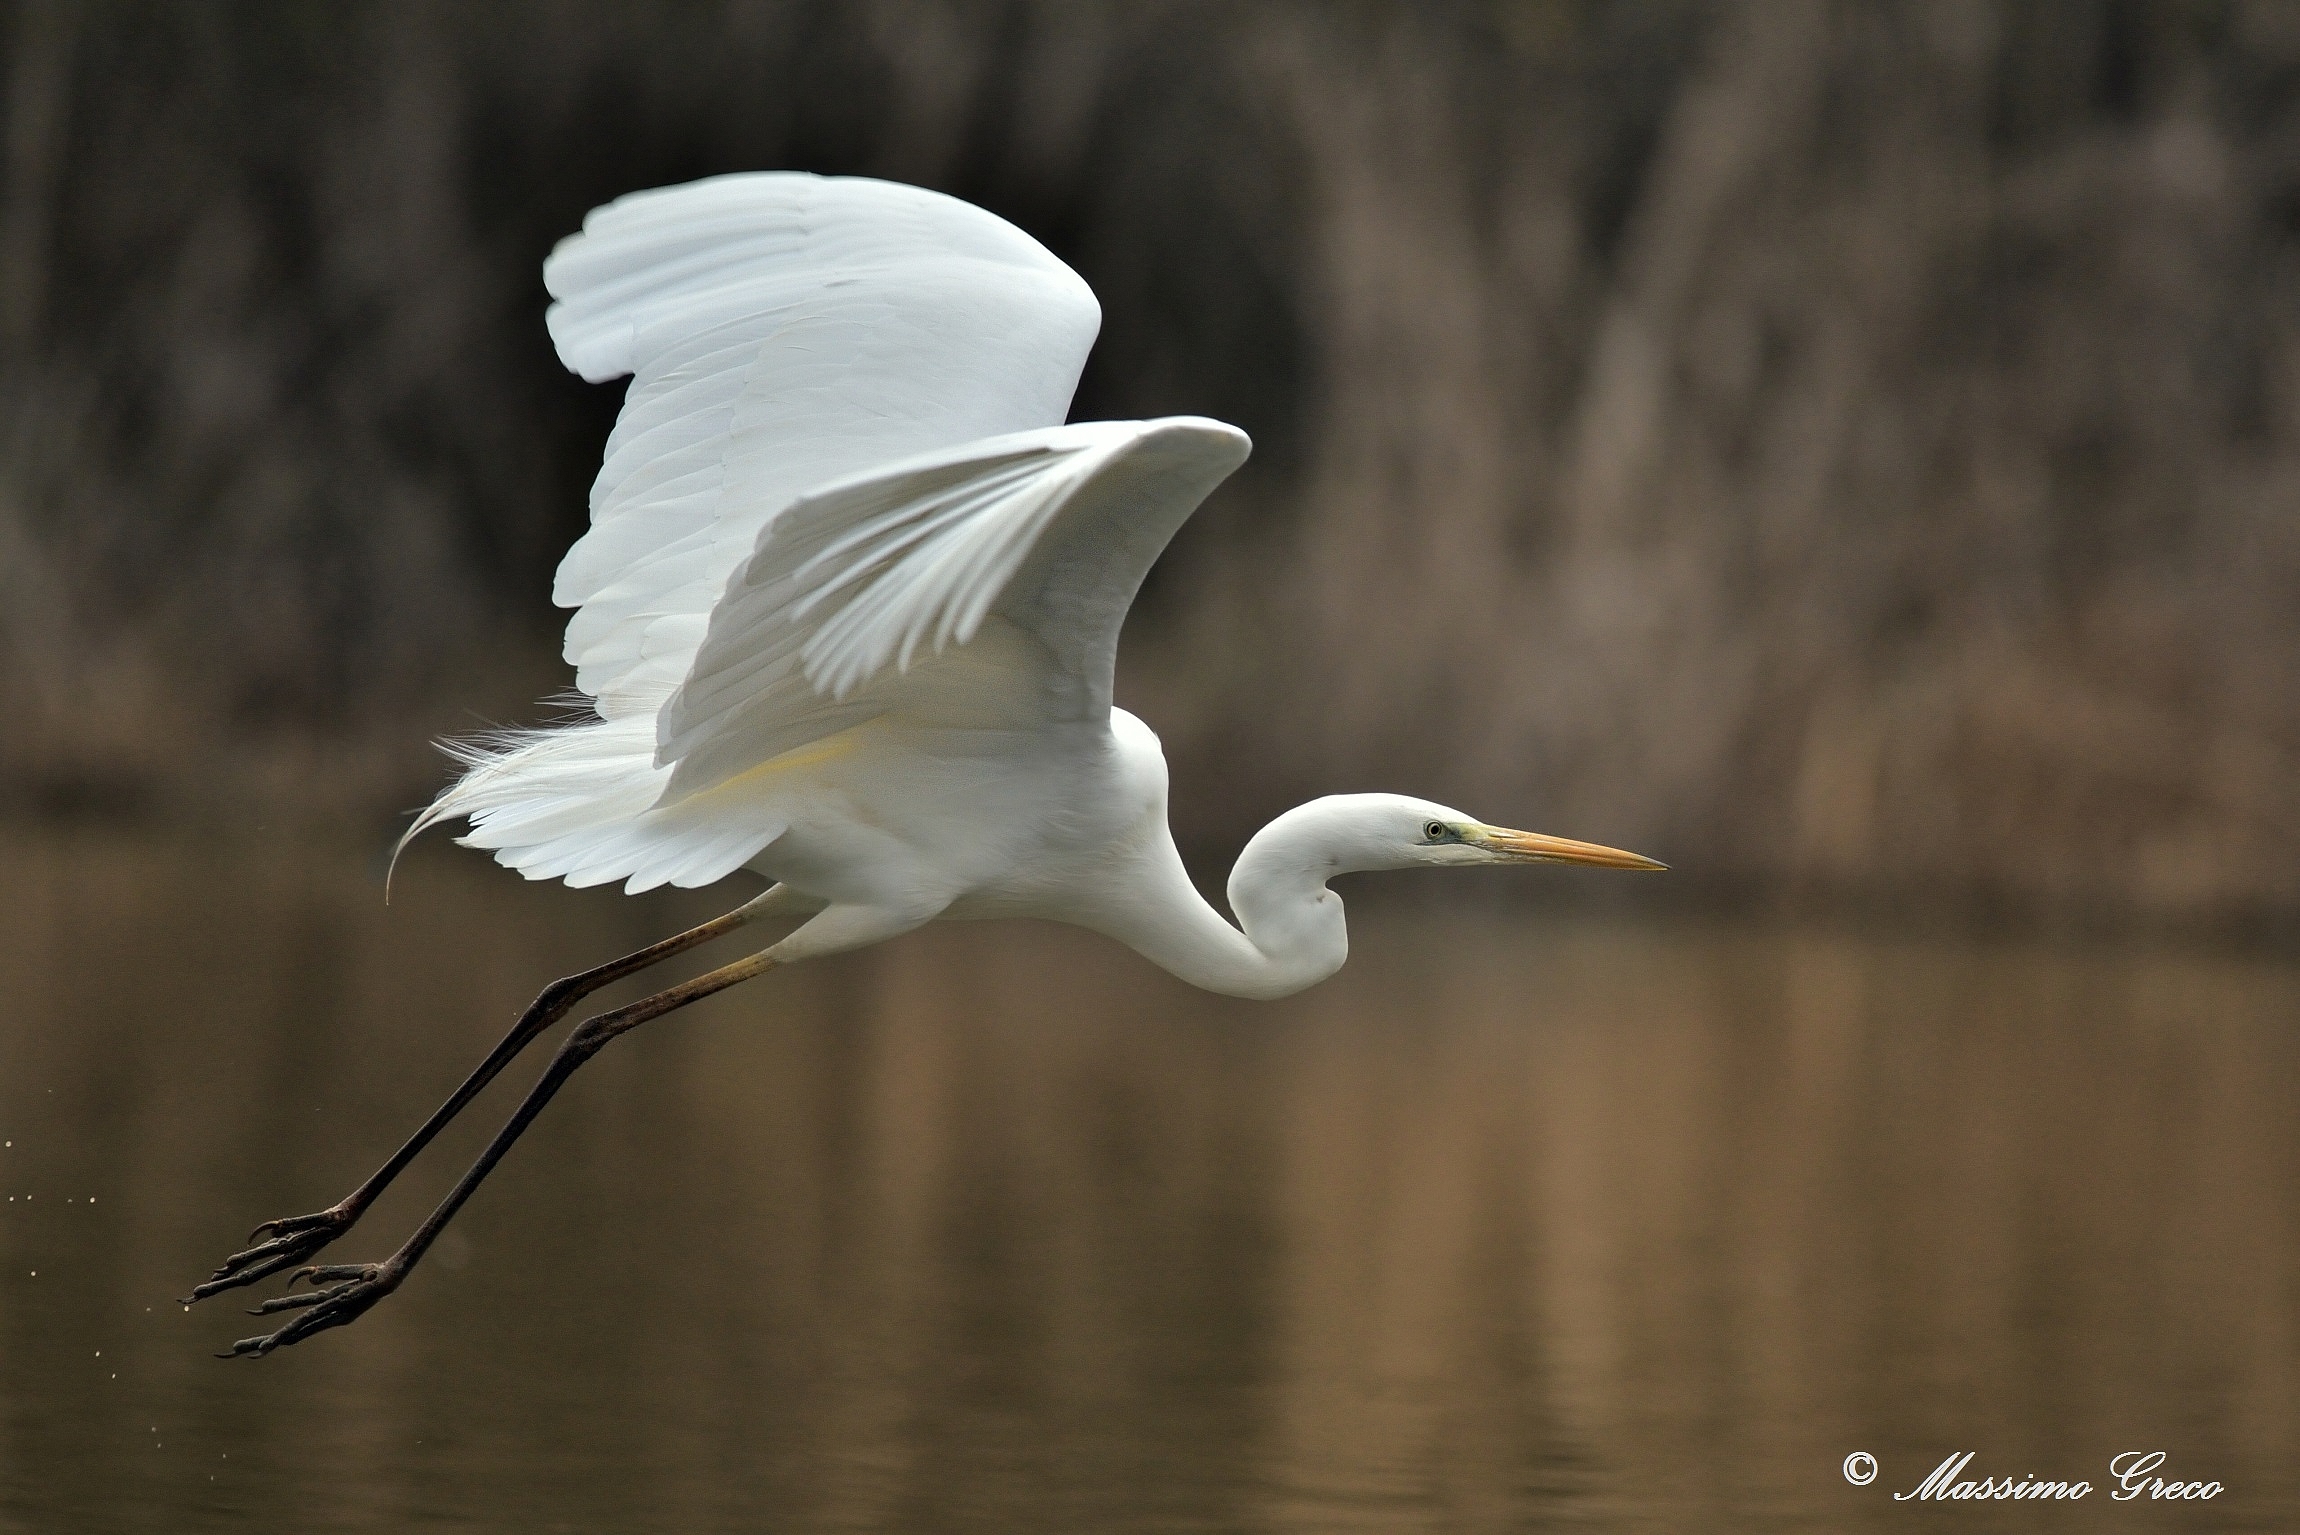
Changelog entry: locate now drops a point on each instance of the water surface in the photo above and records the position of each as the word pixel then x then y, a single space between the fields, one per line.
pixel 1524 1221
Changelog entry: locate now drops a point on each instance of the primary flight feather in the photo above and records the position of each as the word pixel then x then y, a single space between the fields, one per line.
pixel 847 612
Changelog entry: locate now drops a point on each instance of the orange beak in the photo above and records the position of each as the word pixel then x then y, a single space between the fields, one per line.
pixel 1534 847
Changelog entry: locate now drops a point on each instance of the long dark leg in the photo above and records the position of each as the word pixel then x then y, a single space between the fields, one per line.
pixel 283 1243
pixel 353 1287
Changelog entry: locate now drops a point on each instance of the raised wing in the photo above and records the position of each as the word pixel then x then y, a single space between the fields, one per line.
pixel 844 421
pixel 1045 535
pixel 783 331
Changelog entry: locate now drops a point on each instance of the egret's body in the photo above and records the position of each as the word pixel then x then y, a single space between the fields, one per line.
pixel 1066 825
pixel 848 612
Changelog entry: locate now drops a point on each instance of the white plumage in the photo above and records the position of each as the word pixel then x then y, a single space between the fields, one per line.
pixel 840 454
pixel 848 609
pixel 850 600
pixel 781 331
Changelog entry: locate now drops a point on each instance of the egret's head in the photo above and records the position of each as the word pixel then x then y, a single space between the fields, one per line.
pixel 1391 831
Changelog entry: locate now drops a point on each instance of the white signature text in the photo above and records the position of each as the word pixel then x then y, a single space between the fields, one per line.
pixel 2133 1473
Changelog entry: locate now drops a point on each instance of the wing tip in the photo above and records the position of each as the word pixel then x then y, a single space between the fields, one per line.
pixel 1221 443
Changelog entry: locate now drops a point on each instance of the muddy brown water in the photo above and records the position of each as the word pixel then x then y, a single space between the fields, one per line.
pixel 1527 1220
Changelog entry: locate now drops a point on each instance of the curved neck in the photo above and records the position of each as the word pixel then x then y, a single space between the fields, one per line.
pixel 1294 934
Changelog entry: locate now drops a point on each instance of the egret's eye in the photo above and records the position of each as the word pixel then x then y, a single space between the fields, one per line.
pixel 1435 832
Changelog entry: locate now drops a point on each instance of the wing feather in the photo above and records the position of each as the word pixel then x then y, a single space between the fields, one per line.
pixel 782 330
pixel 839 461
pixel 860 580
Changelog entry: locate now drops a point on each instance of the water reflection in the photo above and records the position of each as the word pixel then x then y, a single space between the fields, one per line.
pixel 1519 1221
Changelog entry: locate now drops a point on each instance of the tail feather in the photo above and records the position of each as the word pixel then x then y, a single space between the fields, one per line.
pixel 582 803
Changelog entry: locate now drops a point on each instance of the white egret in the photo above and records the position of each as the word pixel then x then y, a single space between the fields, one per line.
pixel 847 609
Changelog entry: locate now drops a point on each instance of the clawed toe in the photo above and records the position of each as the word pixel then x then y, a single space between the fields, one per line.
pixel 319 1274
pixel 289 1224
pixel 288 1302
pixel 358 1286
pixel 291 1240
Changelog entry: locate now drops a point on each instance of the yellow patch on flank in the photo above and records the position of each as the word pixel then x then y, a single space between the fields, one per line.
pixel 828 749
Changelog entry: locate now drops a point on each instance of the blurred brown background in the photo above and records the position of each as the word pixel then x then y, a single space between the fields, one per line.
pixel 1845 449
pixel 1848 450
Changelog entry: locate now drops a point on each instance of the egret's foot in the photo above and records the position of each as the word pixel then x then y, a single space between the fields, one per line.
pixel 350 1289
pixel 290 1242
